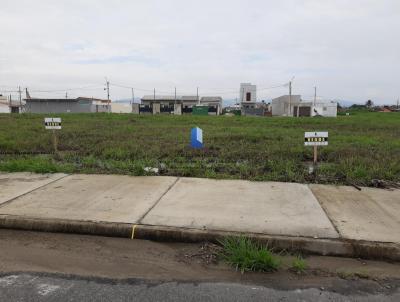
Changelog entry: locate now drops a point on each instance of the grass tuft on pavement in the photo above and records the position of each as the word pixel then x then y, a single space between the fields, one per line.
pixel 299 265
pixel 247 255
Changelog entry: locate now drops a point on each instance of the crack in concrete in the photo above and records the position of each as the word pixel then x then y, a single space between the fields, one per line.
pixel 139 221
pixel 33 190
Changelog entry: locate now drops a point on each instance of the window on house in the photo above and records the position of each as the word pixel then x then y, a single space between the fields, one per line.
pixel 324 108
pixel 248 96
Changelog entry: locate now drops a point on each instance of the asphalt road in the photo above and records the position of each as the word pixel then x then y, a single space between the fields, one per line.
pixel 31 287
pixel 65 267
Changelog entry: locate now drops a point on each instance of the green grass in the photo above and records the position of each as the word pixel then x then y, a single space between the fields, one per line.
pixel 299 265
pixel 246 255
pixel 362 147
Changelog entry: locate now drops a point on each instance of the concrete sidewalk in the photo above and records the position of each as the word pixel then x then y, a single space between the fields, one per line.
pixel 321 219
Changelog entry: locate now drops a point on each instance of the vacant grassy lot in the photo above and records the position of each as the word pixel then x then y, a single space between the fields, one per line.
pixel 362 147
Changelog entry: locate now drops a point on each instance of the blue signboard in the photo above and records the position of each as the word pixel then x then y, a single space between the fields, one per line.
pixel 196 138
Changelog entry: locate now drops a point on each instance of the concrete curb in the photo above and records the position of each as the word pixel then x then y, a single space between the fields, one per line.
pixel 66 226
pixel 319 246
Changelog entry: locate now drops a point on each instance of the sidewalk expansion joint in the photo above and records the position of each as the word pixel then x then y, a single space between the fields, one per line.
pixel 33 190
pixel 325 212
pixel 139 221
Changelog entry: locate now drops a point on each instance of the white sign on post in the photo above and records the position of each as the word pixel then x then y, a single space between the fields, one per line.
pixel 52 123
pixel 316 139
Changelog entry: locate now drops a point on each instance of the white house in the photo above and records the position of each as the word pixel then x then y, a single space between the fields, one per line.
pixel 296 106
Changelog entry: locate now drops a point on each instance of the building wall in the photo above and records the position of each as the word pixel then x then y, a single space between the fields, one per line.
pixel 280 105
pixel 328 109
pixel 4 108
pixel 178 109
pixel 121 108
pixel 4 104
pixel 156 108
pixel 99 107
pixel 182 105
pixel 60 107
pixel 253 111
pixel 135 108
pixel 248 88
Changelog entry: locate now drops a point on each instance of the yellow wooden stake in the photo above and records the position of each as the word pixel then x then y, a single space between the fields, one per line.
pixel 133 231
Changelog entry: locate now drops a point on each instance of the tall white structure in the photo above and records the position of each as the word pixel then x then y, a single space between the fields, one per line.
pixel 248 95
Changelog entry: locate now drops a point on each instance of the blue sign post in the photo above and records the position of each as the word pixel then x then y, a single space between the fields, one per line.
pixel 196 138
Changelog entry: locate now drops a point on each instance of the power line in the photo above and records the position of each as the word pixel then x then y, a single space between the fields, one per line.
pixel 207 90
pixel 136 88
pixel 9 91
pixel 89 87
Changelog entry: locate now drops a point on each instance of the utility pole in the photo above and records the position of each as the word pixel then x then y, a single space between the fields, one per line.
pixel 315 95
pixel 154 95
pixel 298 108
pixel 133 97
pixel 20 97
pixel 198 100
pixel 108 90
pixel 66 95
pixel 398 103
pixel 290 98
pixel 108 94
pixel 175 97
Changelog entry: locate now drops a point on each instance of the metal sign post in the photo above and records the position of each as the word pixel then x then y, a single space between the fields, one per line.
pixel 55 141
pixel 315 155
pixel 316 139
pixel 53 123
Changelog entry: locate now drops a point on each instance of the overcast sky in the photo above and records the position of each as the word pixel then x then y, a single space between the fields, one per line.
pixel 348 49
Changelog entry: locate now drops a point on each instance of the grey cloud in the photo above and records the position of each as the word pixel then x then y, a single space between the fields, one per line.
pixel 349 49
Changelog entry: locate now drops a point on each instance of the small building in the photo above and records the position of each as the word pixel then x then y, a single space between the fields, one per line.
pixel 188 102
pixel 7 105
pixel 167 104
pixel 214 104
pixel 160 104
pixel 65 105
pixel 295 106
pixel 248 100
pixel 248 95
